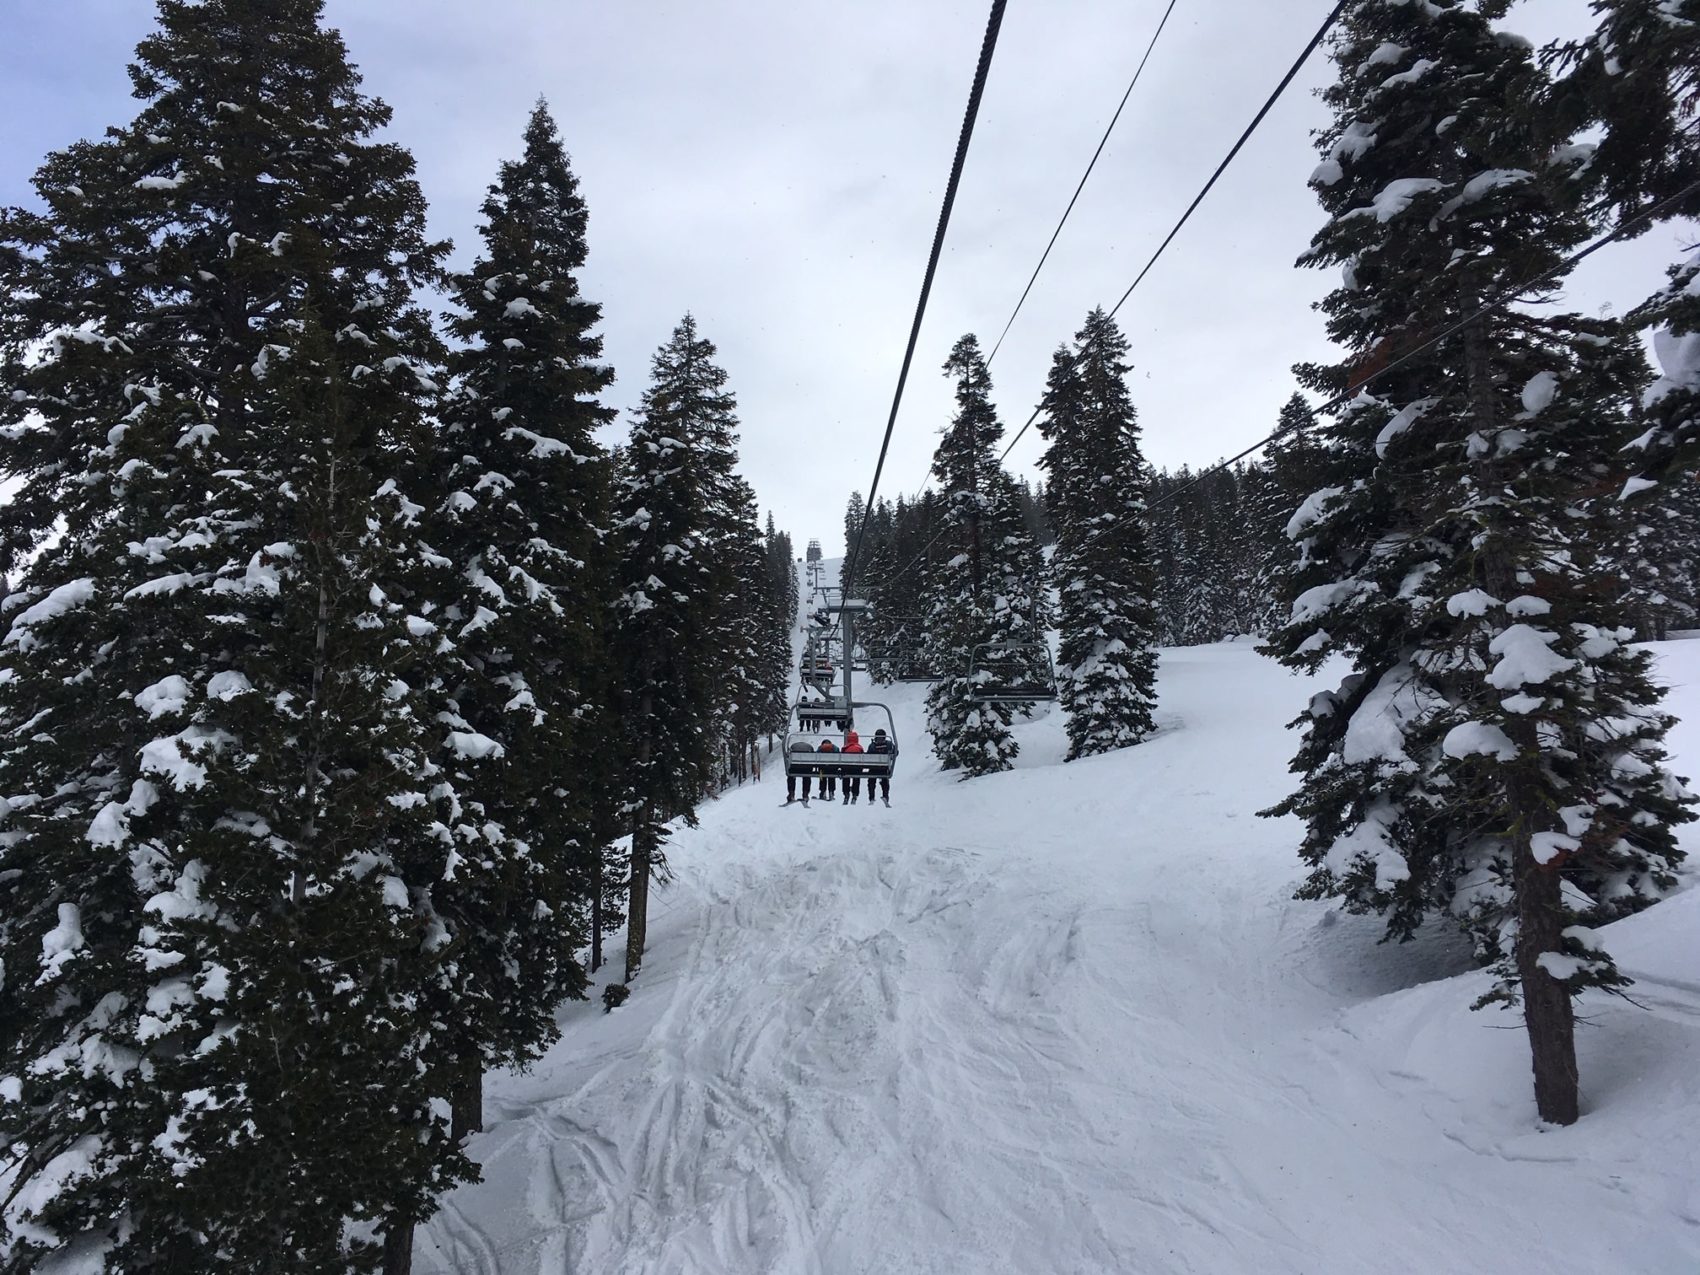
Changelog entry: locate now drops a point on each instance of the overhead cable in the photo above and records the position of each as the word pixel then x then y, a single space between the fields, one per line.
pixel 1044 256
pixel 1498 301
pixel 1268 105
pixel 987 45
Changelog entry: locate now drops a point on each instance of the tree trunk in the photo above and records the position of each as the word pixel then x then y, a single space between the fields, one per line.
pixel 637 902
pixel 316 706
pixel 596 888
pixel 1547 1011
pixel 398 1247
pixel 1548 1014
pixel 466 1110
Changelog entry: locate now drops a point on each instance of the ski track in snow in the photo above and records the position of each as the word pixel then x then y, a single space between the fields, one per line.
pixel 1070 1020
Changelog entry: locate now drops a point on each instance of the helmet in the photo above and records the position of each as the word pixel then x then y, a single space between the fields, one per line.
pixel 880 733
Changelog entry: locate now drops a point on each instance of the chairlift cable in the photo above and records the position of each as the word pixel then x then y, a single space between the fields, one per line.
pixel 987 45
pixel 1045 256
pixel 1268 105
pixel 1498 301
pixel 1286 80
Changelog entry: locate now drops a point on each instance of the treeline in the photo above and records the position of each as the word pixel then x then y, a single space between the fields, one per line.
pixel 1496 503
pixel 348 683
pixel 1219 545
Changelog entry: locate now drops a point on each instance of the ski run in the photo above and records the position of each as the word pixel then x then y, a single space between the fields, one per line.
pixel 1072 1020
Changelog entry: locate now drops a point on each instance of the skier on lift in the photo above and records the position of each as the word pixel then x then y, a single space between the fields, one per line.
pixel 801 746
pixel 828 782
pixel 881 745
pixel 852 781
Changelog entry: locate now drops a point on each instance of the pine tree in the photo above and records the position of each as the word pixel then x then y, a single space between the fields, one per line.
pixel 854 513
pixel 216 855
pixel 1465 768
pixel 983 595
pixel 1637 79
pixel 1296 466
pixel 1102 570
pixel 669 530
pixel 518 526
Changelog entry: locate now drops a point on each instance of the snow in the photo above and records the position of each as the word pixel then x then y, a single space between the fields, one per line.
pixel 1539 391
pixel 228 684
pixel 1547 846
pixel 1561 966
pixel 1679 359
pixel 541 445
pixel 1473 739
pixel 1635 486
pixel 1376 731
pixel 1070 1018
pixel 1403 419
pixel 1470 602
pixel 1310 511
pixel 172 755
pixel 1525 656
pixel 469 743
pixel 60 945
pixel 1395 197
pixel 1418 69
pixel 1323 598
pixel 166 696
pixel 67 597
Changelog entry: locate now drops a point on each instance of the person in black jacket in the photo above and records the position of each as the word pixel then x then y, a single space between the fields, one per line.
pixel 881 743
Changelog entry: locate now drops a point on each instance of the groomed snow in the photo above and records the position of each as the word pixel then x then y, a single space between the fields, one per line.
pixel 1070 1019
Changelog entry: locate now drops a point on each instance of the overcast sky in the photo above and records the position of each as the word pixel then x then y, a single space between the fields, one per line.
pixel 776 167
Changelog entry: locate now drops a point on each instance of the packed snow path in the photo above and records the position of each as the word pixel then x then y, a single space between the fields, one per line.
pixel 1069 1019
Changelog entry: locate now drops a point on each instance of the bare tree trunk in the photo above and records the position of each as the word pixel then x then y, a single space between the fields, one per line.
pixel 316 709
pixel 1548 1015
pixel 596 888
pixel 466 1110
pixel 637 902
pixel 398 1248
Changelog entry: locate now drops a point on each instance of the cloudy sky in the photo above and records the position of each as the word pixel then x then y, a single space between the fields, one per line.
pixel 776 166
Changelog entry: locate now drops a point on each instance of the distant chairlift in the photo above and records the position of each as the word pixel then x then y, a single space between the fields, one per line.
pixel 1012 673
pixel 902 662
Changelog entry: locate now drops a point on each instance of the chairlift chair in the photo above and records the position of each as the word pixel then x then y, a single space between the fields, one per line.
pixel 1012 673
pixel 808 760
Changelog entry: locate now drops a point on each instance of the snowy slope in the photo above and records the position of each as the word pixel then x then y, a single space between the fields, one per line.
pixel 1070 1019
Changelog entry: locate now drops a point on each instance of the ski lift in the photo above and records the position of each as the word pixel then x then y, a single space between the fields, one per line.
pixel 902 662
pixel 1012 673
pixel 803 755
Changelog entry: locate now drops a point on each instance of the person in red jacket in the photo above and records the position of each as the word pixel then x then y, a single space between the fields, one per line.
pixel 852 783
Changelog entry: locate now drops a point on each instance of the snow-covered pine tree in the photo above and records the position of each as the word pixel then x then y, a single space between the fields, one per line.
pixel 1294 466
pixel 779 617
pixel 854 512
pixel 1655 555
pixel 981 593
pixel 1637 79
pixel 1495 754
pixel 670 514
pixel 1102 571
pixel 747 683
pixel 521 506
pixel 215 855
